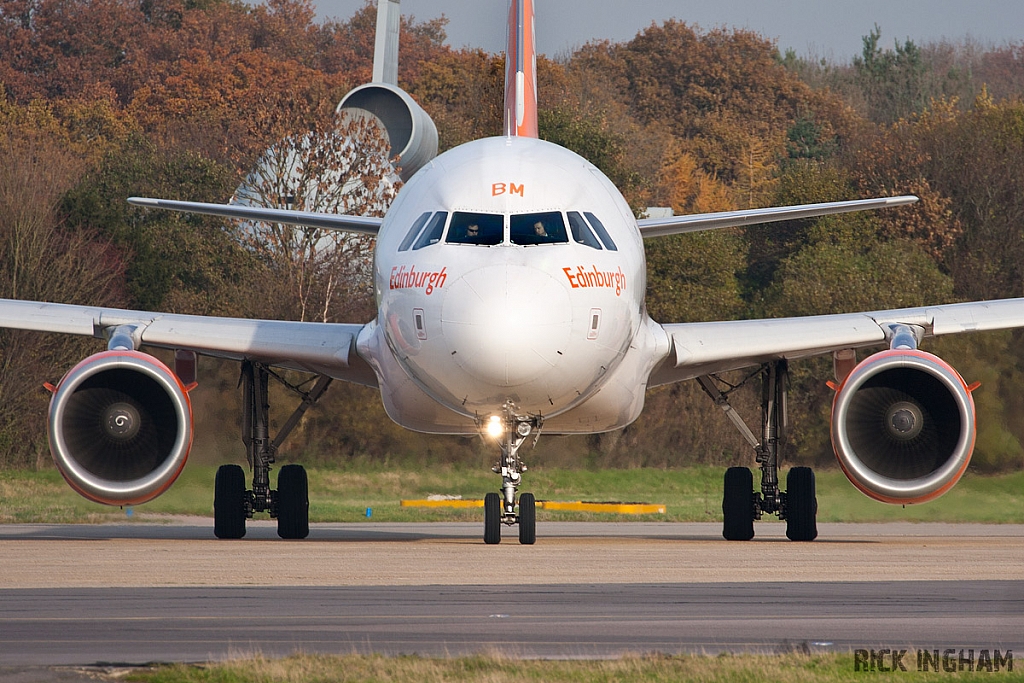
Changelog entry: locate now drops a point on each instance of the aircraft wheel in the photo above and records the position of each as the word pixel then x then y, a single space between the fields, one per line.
pixel 229 502
pixel 738 505
pixel 801 505
pixel 527 519
pixel 292 502
pixel 492 518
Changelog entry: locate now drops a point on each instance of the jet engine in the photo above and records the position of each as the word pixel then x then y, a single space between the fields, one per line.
pixel 903 426
pixel 120 427
pixel 411 131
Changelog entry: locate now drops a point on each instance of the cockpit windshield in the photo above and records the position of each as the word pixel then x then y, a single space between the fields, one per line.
pixel 524 229
pixel 599 228
pixel 476 228
pixel 414 231
pixel 537 228
pixel 581 232
pixel 432 232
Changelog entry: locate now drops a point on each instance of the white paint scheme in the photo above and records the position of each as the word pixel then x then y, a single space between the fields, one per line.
pixel 507 323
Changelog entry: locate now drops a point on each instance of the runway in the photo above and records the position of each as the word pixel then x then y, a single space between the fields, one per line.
pixel 141 592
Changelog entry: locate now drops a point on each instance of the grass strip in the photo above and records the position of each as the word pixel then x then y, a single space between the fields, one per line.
pixel 691 494
pixel 786 668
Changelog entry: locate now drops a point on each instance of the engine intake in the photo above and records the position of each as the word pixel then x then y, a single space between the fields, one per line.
pixel 903 426
pixel 120 427
pixel 411 131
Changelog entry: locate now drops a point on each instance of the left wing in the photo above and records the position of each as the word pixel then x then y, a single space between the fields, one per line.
pixel 322 348
pixel 366 225
pixel 702 348
pixel 674 225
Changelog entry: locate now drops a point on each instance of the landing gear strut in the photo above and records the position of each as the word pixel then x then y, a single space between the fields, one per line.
pixel 289 504
pixel 740 504
pixel 511 430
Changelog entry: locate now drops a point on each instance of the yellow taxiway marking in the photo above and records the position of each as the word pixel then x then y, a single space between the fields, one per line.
pixel 616 508
pixel 571 505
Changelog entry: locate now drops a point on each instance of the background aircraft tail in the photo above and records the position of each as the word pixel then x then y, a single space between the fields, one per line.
pixel 520 71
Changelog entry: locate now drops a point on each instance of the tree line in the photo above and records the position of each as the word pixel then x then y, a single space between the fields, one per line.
pixel 104 99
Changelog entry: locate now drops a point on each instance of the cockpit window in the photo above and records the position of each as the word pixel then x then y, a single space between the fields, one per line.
pixel 601 232
pixel 476 228
pixel 581 232
pixel 413 232
pixel 537 228
pixel 432 232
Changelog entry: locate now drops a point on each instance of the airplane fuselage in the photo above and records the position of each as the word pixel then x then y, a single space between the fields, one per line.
pixel 508 270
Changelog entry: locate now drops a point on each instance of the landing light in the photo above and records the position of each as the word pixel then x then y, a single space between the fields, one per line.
pixel 494 426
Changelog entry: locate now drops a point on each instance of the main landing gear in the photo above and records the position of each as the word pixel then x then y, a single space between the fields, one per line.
pixel 511 431
pixel 741 505
pixel 289 504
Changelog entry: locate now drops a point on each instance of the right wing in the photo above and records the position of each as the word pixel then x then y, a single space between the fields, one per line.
pixel 321 348
pixel 362 224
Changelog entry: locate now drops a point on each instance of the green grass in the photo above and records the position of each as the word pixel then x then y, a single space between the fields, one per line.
pixel 791 668
pixel 342 495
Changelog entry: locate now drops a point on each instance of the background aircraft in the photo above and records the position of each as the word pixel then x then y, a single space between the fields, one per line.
pixel 510 280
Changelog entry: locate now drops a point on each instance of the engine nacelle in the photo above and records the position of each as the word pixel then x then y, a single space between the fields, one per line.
pixel 903 426
pixel 411 131
pixel 120 427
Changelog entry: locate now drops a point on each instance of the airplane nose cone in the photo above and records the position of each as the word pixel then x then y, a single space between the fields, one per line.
pixel 506 325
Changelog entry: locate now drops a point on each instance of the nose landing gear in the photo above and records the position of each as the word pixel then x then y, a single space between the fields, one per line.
pixel 511 431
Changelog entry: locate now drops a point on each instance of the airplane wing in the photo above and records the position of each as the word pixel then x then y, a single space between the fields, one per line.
pixel 362 224
pixel 322 348
pixel 702 348
pixel 674 225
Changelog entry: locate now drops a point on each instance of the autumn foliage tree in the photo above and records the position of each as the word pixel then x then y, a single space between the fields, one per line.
pixel 189 99
pixel 340 168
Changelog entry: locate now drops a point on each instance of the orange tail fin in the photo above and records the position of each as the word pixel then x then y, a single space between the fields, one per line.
pixel 520 71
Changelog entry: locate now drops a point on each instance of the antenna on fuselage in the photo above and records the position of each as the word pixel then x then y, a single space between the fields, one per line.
pixel 385 46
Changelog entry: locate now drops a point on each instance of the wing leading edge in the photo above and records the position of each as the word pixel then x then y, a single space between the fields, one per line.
pixel 362 224
pixel 703 348
pixel 674 225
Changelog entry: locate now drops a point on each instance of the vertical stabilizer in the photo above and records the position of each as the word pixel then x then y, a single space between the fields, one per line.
pixel 520 71
pixel 385 47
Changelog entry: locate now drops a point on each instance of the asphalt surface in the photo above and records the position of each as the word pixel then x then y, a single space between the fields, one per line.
pixel 138 593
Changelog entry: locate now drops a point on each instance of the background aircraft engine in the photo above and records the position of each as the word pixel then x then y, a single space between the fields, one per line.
pixel 120 427
pixel 903 426
pixel 411 131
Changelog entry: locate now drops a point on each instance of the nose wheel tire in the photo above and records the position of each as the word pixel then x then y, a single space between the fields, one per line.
pixel 527 519
pixel 229 502
pixel 492 519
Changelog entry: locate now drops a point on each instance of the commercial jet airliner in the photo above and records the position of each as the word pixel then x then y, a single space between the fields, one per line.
pixel 509 276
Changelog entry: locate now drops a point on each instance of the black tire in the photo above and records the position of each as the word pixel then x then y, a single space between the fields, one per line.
pixel 738 505
pixel 527 519
pixel 229 502
pixel 492 518
pixel 801 505
pixel 292 502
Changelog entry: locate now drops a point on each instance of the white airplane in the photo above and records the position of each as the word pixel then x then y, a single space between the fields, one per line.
pixel 510 278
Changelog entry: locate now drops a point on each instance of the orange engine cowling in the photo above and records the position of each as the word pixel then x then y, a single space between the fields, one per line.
pixel 120 427
pixel 903 426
